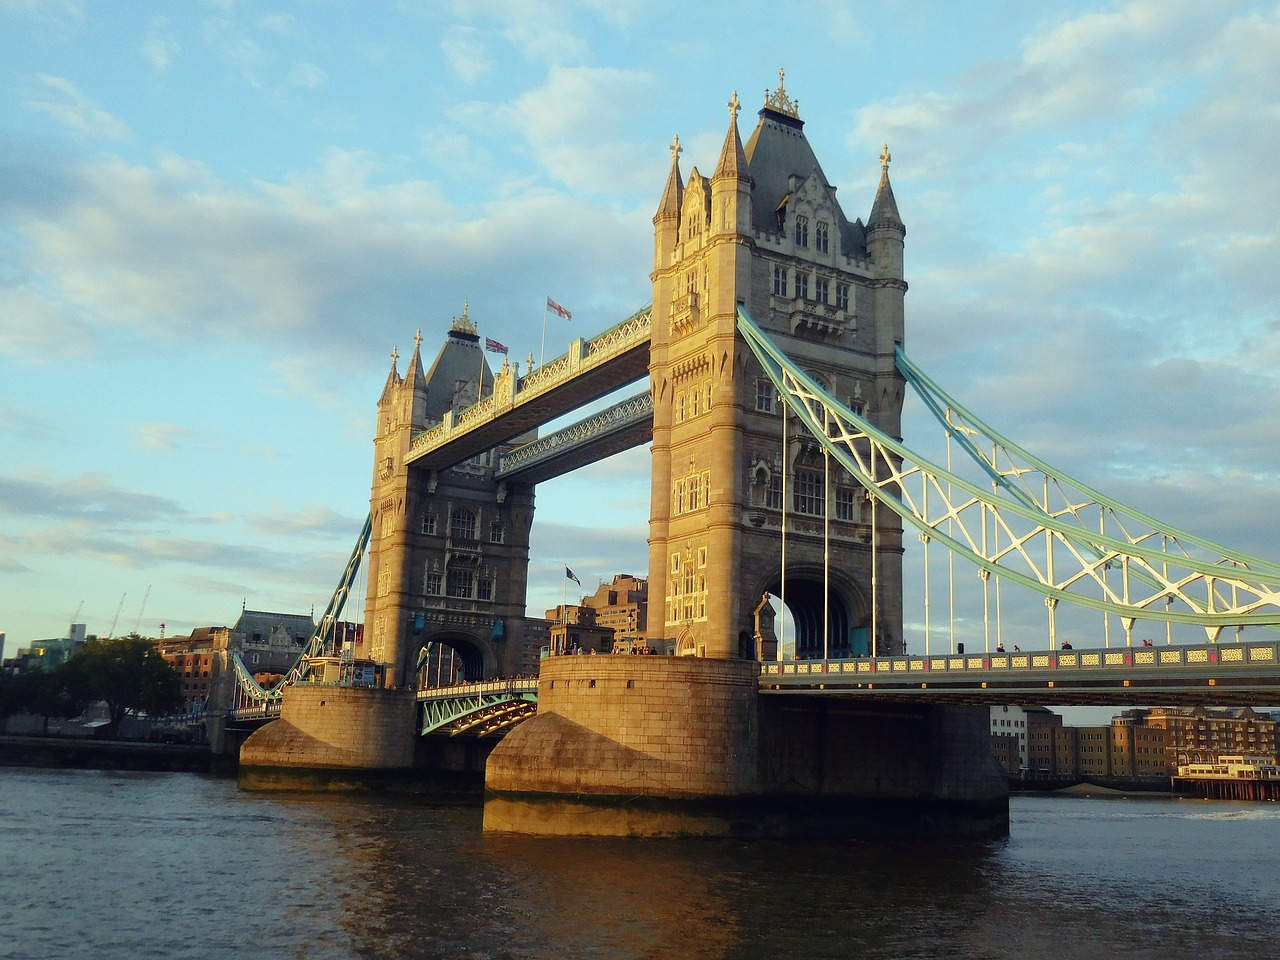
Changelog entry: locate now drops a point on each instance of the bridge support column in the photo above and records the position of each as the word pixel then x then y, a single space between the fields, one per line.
pixel 669 746
pixel 326 733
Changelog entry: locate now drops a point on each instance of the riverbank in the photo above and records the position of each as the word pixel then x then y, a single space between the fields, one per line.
pixel 32 751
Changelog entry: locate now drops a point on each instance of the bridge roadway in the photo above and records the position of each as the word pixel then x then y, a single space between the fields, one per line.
pixel 1224 674
pixel 1221 674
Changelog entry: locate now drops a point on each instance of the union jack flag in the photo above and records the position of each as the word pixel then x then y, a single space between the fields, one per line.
pixel 493 346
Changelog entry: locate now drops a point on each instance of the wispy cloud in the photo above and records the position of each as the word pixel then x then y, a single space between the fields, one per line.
pixel 69 106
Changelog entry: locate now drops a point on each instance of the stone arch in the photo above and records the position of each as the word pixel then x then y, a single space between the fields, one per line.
pixel 848 616
pixel 450 656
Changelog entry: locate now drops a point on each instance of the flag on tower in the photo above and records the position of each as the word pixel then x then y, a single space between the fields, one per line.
pixel 557 309
pixel 569 573
pixel 493 346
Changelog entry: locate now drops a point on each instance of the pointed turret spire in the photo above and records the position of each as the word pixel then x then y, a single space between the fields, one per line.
pixel 885 209
pixel 673 193
pixel 414 375
pixel 393 378
pixel 733 160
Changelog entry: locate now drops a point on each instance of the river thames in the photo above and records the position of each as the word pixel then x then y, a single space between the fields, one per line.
pixel 132 865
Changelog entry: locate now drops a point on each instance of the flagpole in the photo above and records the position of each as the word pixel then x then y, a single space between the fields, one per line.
pixel 543 355
pixel 480 378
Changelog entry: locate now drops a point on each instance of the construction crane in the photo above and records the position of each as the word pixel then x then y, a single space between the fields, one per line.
pixel 137 623
pixel 112 631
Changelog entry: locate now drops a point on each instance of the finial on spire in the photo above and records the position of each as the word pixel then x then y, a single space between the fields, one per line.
pixel 885 157
pixel 395 355
pixel 734 106
pixel 675 148
pixel 779 101
pixel 417 340
pixel 464 324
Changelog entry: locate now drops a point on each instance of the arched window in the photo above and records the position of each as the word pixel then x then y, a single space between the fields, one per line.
pixel 802 231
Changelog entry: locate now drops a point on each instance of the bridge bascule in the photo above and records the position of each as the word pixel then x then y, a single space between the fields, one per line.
pixel 774 354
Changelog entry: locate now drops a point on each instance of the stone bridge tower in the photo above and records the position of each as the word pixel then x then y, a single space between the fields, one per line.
pixel 449 549
pixel 767 231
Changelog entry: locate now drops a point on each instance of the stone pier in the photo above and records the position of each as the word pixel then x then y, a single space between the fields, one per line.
pixel 680 746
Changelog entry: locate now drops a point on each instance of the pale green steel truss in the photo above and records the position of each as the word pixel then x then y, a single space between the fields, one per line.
pixel 1034 526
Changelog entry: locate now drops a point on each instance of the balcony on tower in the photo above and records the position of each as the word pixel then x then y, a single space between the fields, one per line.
pixel 817 321
pixel 684 314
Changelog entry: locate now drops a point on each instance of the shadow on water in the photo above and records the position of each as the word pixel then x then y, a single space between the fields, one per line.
pixel 425 881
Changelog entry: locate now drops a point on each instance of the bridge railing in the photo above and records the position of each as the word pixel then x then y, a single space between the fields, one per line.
pixel 460 691
pixel 1230 656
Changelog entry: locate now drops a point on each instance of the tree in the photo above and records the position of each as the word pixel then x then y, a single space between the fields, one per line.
pixel 129 674
pixel 40 692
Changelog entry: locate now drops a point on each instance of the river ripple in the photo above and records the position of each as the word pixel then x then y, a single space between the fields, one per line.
pixel 127 865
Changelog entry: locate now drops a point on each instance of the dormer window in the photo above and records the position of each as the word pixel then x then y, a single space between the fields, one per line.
pixel 820 237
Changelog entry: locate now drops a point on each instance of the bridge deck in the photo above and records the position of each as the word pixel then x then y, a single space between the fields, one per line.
pixel 1237 674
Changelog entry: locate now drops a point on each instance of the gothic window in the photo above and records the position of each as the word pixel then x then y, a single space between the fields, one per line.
pixel 484 589
pixel 702 557
pixel 779 281
pixel 680 407
pixel 858 406
pixel 773 496
pixel 462 524
pixel 695 402
pixel 807 497
pixel 820 290
pixel 384 582
pixel 802 286
pixel 495 532
pixel 842 296
pixel 802 231
pixel 846 503
pixel 820 237
pixel 460 583
pixel 429 523
pixel 431 585
pixel 764 395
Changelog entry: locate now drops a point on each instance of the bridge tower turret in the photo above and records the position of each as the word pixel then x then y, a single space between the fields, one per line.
pixel 767 232
pixel 449 549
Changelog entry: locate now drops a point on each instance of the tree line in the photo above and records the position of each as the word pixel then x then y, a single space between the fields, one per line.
pixel 127 673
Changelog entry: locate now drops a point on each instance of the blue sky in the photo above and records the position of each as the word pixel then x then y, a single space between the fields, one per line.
pixel 217 218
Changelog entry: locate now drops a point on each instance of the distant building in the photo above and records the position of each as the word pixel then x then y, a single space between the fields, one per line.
pixel 1203 734
pixel 1139 744
pixel 611 620
pixel 268 645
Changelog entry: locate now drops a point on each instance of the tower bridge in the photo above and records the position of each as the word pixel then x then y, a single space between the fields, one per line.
pixel 774 349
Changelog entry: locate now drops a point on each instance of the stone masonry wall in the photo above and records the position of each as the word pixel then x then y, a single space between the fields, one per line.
pixel 324 726
pixel 632 726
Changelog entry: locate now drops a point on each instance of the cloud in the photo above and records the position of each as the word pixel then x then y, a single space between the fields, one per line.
pixel 465 54
pixel 76 111
pixel 45 9
pixel 169 252
pixel 575 126
pixel 88 497
pixel 306 75
pixel 159 48
pixel 161 436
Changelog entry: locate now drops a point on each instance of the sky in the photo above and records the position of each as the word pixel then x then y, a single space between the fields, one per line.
pixel 219 217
